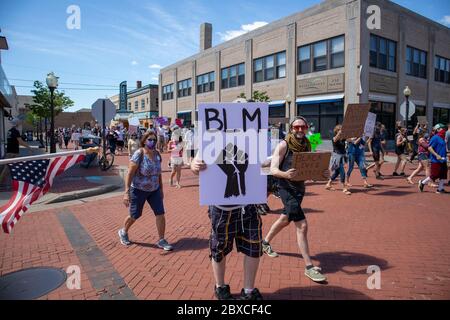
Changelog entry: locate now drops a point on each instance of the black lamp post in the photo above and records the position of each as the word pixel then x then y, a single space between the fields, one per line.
pixel 52 83
pixel 407 93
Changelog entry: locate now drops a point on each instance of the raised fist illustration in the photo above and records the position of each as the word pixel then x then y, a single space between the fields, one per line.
pixel 234 164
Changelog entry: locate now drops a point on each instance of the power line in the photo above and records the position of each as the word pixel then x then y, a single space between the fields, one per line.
pixel 71 83
pixel 82 89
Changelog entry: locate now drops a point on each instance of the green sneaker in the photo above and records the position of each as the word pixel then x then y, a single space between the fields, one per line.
pixel 267 249
pixel 315 275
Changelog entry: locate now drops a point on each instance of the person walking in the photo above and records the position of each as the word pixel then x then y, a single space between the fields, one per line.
pixel 133 144
pixel 143 183
pixel 176 160
pixel 356 153
pixel 338 160
pixel 292 194
pixel 438 154
pixel 400 149
pixel 229 224
pixel 423 154
pixel 376 151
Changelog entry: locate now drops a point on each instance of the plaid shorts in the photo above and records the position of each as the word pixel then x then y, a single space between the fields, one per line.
pixel 229 226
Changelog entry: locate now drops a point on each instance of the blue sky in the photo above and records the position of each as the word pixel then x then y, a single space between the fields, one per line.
pixel 130 40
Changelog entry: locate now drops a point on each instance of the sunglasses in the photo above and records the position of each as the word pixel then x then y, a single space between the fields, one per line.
pixel 300 127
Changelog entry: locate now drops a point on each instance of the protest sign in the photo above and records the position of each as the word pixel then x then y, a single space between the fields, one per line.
pixel 311 165
pixel 355 120
pixel 422 120
pixel 233 144
pixel 369 127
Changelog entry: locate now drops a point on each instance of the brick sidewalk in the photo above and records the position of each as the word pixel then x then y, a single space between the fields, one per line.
pixel 392 226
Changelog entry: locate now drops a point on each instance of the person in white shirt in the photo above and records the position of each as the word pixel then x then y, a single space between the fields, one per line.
pixel 76 139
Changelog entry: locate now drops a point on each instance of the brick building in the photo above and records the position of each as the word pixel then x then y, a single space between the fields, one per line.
pixel 317 61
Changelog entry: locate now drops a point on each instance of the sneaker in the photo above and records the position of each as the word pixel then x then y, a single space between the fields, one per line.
pixel 441 191
pixel 223 293
pixel 163 244
pixel 124 238
pixel 315 275
pixel 402 174
pixel 395 174
pixel 254 295
pixel 420 186
pixel 379 177
pixel 267 249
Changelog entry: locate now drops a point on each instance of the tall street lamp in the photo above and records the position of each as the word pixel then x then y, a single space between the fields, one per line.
pixel 407 93
pixel 52 83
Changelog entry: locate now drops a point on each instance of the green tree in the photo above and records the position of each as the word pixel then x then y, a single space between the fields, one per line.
pixel 41 101
pixel 258 96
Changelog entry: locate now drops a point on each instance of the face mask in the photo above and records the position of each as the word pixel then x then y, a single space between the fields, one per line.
pixel 150 144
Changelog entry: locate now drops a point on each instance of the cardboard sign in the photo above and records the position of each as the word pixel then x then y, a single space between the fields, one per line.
pixel 369 128
pixel 355 120
pixel 233 141
pixel 311 165
pixel 422 120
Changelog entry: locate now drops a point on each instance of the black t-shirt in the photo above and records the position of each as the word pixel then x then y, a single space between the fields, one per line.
pixel 12 142
pixel 339 146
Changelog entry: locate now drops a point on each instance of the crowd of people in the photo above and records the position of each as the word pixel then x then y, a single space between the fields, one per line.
pixel 242 224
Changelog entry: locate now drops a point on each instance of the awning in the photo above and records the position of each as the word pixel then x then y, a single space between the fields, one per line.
pixel 320 99
pixel 441 105
pixel 184 112
pixel 277 103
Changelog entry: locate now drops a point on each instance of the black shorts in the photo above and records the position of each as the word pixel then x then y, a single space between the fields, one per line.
pixel 292 201
pixel 229 226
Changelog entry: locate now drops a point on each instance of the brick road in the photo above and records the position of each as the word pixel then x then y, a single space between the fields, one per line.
pixel 392 226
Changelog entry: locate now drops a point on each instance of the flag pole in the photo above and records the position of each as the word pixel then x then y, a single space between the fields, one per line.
pixel 49 156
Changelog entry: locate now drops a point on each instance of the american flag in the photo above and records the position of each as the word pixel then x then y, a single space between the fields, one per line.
pixel 31 180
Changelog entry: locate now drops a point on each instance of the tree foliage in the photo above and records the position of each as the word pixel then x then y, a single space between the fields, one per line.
pixel 42 104
pixel 258 96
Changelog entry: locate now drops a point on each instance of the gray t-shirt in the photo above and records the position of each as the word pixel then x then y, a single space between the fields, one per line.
pixel 447 139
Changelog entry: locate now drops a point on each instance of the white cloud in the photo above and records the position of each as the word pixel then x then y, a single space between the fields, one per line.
pixel 134 63
pixel 154 66
pixel 154 79
pixel 446 20
pixel 231 34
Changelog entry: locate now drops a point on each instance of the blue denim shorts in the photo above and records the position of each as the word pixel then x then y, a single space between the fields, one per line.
pixel 138 198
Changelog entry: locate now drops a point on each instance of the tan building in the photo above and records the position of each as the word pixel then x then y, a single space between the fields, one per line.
pixel 313 63
pixel 142 102
pixel 80 119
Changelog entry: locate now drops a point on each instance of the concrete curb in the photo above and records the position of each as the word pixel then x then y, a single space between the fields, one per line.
pixel 83 194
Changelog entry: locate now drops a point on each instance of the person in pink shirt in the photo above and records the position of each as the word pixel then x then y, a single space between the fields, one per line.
pixel 176 161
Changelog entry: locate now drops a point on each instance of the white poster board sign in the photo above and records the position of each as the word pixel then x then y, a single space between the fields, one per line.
pixel 369 128
pixel 233 144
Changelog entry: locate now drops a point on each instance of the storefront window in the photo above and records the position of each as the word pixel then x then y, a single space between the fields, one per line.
pixel 441 115
pixel 386 115
pixel 323 116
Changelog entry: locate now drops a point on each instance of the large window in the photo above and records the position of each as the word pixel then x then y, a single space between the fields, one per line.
pixel 383 53
pixel 167 92
pixel 441 115
pixel 323 116
pixel 184 88
pixel 270 67
pixel 233 76
pixel 416 62
pixel 323 55
pixel 205 82
pixel 441 69
pixel 136 105
pixel 386 115
pixel 142 104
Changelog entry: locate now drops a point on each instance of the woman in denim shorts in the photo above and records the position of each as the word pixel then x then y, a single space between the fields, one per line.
pixel 423 155
pixel 143 183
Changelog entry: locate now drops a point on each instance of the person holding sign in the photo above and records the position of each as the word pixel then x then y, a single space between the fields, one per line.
pixel 292 193
pixel 338 160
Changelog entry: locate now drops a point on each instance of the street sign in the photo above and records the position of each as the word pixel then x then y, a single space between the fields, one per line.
pixel 412 110
pixel 110 110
